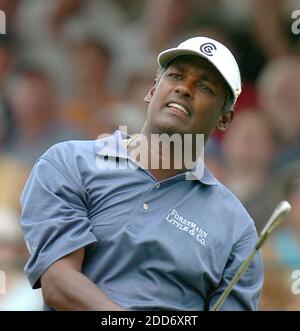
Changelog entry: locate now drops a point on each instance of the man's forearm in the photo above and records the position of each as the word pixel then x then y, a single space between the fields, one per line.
pixel 71 290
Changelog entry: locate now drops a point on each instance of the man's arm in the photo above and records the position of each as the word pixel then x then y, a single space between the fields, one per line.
pixel 56 229
pixel 246 293
pixel 64 287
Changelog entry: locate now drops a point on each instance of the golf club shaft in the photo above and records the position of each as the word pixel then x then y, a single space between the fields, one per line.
pixel 234 280
pixel 282 209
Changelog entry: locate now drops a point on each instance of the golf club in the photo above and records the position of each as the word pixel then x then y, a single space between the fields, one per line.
pixel 282 209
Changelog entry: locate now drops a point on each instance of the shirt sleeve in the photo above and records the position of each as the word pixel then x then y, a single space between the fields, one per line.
pixel 245 294
pixel 54 217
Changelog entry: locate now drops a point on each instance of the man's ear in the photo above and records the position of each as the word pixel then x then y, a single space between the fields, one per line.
pixel 225 120
pixel 149 95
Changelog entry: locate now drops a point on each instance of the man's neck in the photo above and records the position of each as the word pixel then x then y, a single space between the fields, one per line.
pixel 162 162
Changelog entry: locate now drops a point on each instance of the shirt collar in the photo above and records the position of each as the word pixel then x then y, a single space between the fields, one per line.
pixel 112 145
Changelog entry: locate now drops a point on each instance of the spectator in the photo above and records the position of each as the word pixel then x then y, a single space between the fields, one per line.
pixel 281 253
pixel 160 24
pixel 7 64
pixel 248 151
pixel 90 109
pixel 130 110
pixel 34 109
pixel 279 94
pixel 13 254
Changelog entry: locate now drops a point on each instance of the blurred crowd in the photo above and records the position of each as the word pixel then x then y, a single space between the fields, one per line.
pixel 73 69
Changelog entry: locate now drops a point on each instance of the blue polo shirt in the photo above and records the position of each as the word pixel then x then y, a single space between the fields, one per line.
pixel 150 245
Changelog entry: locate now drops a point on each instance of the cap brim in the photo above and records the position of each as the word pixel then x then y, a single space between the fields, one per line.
pixel 170 54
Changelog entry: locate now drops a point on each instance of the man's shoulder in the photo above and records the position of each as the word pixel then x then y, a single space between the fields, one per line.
pixel 231 206
pixel 69 156
pixel 70 149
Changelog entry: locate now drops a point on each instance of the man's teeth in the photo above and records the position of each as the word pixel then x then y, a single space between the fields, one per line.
pixel 179 107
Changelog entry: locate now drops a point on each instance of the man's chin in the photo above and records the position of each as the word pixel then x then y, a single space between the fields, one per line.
pixel 169 127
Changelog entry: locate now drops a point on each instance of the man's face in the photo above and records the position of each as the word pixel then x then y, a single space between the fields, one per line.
pixel 193 83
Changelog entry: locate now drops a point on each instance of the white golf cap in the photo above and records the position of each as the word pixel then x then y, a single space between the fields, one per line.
pixel 215 52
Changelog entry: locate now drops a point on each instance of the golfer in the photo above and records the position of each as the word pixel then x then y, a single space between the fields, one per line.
pixel 107 230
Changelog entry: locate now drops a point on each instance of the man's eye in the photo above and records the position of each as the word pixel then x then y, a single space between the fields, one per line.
pixel 175 76
pixel 204 87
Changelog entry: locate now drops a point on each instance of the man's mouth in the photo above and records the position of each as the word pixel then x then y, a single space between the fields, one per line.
pixel 179 107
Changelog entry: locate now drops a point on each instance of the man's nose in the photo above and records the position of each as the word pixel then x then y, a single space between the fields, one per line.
pixel 184 89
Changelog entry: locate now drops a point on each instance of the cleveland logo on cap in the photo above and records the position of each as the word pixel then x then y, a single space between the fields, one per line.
pixel 208 48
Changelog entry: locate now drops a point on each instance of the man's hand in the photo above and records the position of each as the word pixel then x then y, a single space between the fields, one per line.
pixel 64 287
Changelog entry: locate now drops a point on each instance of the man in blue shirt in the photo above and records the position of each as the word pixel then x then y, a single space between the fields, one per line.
pixel 108 231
